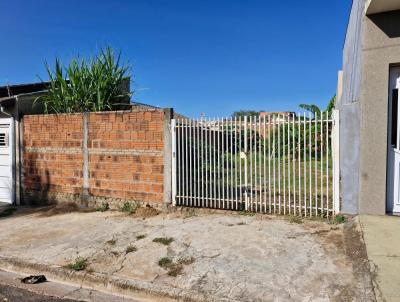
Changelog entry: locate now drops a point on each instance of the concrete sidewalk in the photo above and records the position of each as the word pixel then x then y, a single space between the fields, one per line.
pixel 191 256
pixel 382 240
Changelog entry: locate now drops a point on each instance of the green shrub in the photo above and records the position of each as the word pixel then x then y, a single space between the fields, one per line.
pixel 339 219
pixel 129 207
pixel 79 264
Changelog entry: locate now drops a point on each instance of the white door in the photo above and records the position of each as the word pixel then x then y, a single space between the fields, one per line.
pixel 6 160
pixel 393 193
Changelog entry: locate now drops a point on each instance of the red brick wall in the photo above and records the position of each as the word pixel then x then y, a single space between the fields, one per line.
pixel 126 155
pixel 52 157
pixel 126 159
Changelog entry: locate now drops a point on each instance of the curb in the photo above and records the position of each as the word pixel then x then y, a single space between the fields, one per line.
pixel 136 289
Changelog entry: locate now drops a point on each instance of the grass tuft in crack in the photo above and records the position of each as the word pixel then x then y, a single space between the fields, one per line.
pixel 130 249
pixel 139 237
pixel 186 260
pixel 163 240
pixel 174 269
pixel 79 264
pixel 112 241
pixel 165 262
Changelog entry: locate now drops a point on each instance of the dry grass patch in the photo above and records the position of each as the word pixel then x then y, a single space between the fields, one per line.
pixel 163 240
pixel 65 208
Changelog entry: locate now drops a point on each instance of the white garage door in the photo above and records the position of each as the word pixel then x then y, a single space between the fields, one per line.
pixel 6 183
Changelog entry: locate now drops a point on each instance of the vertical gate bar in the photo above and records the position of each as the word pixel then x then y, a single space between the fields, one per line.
pixel 223 161
pixel 294 164
pixel 322 165
pixel 182 168
pixel 279 163
pixel 253 175
pixel 231 161
pixel 207 159
pixel 255 165
pixel 305 164
pixel 210 188
pixel 235 165
pixel 240 163
pixel 251 162
pixel 269 165
pixel 327 165
pixel 228 204
pixel 316 164
pixel 259 163
pixel 299 156
pixel 218 163
pixel 335 160
pixel 198 163
pixel 206 194
pixel 190 143
pixel 215 125
pixel 194 197
pixel 289 167
pixel 274 158
pixel 186 164
pixel 310 163
pixel 284 161
pixel 173 163
pixel 203 165
pixel 245 165
pixel 265 167
pixel 178 160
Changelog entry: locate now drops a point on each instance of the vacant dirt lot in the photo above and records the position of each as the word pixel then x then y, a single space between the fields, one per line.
pixel 213 257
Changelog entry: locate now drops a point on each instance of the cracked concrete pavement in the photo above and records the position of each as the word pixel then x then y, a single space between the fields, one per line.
pixel 223 257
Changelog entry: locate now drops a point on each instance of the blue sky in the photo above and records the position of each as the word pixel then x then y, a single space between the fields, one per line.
pixel 211 57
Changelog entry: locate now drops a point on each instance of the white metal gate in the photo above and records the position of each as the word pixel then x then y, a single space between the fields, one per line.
pixel 271 164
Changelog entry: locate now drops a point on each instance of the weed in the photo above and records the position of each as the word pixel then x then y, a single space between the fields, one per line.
pixel 112 241
pixel 186 260
pixel 246 213
pixel 129 207
pixel 165 262
pixel 295 219
pixel 130 249
pixel 339 219
pixel 103 207
pixel 7 212
pixel 175 270
pixel 79 264
pixel 189 213
pixel 139 237
pixel 163 240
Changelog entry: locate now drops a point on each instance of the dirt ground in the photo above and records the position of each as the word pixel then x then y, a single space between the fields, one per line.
pixel 218 256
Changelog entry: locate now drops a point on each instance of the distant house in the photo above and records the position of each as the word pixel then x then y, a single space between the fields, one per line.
pixel 279 116
pixel 368 101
